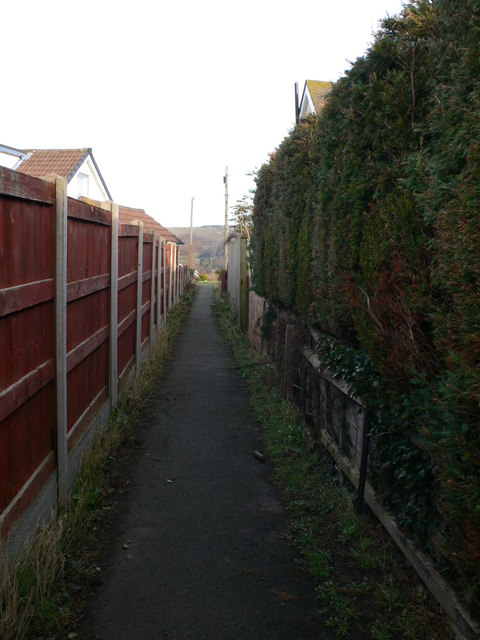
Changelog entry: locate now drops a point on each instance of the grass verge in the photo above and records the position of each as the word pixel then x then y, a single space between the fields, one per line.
pixel 39 592
pixel 364 587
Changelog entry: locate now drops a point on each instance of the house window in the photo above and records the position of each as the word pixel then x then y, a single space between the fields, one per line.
pixel 82 184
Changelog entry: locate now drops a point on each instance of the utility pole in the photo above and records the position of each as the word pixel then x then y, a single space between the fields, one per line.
pixel 225 180
pixel 191 221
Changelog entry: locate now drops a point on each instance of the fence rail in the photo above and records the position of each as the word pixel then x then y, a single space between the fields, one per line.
pixel 82 300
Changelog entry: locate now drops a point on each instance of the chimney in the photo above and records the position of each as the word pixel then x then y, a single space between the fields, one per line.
pixel 297 106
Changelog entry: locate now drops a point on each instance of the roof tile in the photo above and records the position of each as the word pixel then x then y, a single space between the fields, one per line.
pixel 127 214
pixel 43 162
pixel 319 90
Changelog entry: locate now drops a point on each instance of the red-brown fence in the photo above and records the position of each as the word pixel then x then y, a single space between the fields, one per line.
pixel 66 269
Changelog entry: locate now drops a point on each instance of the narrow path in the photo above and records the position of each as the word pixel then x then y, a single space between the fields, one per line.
pixel 197 551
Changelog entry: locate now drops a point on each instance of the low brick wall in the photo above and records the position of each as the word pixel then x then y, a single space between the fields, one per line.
pixel 326 402
pixel 337 420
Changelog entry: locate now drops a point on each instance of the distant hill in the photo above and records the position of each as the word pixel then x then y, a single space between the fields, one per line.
pixel 207 251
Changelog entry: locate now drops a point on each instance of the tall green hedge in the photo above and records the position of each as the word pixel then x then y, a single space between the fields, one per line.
pixel 367 223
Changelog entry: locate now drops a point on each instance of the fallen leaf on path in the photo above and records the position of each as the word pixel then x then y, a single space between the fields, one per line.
pixel 259 456
pixel 284 596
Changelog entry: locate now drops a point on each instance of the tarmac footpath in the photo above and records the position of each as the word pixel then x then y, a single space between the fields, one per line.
pixel 197 548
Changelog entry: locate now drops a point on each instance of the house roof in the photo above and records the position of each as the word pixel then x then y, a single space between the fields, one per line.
pixel 64 162
pixel 318 91
pixel 42 162
pixel 127 214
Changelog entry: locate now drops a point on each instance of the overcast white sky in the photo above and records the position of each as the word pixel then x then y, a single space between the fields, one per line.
pixel 168 93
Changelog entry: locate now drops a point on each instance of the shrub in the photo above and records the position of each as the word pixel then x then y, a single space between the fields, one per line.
pixel 366 224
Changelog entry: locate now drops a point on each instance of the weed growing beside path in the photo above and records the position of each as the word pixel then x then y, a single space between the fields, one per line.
pixel 364 587
pixel 40 592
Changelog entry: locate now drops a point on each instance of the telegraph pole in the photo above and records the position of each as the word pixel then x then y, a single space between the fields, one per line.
pixel 225 180
pixel 191 221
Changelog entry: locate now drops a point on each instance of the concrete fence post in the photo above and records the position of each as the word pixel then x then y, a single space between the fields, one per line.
pixel 174 274
pixel 113 382
pixel 179 274
pixel 170 277
pixel 152 297
pixel 164 285
pixel 61 221
pixel 180 281
pixel 175 288
pixel 138 347
pixel 159 280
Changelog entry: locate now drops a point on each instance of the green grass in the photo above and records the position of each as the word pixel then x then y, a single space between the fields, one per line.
pixel 368 554
pixel 364 588
pixel 38 590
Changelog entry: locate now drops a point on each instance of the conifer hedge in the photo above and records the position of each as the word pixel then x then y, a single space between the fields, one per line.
pixel 367 224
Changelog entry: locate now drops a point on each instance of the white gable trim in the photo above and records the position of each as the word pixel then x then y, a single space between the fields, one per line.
pixel 306 105
pixel 97 178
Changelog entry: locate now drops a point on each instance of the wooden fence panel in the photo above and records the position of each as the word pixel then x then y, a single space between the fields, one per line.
pixel 237 280
pixel 22 187
pixel 146 284
pixel 127 297
pixel 27 341
pixel 155 285
pixel 168 263
pixel 163 276
pixel 88 313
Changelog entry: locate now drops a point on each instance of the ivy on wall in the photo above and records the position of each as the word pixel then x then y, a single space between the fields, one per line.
pixel 367 224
